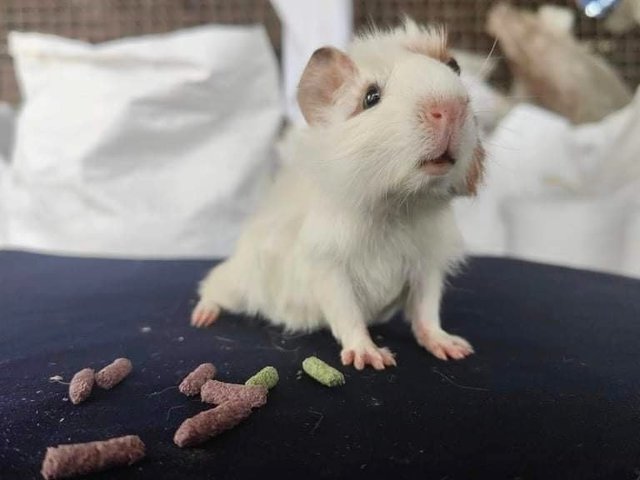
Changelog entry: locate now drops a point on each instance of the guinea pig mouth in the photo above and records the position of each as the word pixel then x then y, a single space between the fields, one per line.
pixel 439 165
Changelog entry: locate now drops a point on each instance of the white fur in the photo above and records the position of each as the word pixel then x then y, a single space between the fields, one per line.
pixel 352 228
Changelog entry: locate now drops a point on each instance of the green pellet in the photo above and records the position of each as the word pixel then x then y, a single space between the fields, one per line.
pixel 323 373
pixel 267 377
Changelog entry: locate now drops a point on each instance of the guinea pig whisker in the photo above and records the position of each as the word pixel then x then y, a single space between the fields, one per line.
pixel 486 60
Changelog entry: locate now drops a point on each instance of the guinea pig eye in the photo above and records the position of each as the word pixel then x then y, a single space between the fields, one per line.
pixel 453 65
pixel 371 97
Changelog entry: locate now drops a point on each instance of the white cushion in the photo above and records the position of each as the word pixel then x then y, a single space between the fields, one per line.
pixel 155 146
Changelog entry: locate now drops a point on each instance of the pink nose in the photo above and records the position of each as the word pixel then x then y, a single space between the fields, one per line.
pixel 446 113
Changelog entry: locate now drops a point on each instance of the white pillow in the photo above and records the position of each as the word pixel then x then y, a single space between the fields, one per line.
pixel 156 146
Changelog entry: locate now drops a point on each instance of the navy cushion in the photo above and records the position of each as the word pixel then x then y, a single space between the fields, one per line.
pixel 553 391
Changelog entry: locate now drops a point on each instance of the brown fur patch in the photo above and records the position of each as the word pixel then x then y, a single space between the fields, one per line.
pixel 476 170
pixel 327 71
pixel 431 45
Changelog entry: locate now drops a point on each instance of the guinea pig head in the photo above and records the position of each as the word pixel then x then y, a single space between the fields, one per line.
pixel 390 117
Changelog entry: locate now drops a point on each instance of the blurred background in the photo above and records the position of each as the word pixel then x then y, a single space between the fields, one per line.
pixel 150 128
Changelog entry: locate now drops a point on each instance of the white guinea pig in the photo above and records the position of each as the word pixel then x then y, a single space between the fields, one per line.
pixel 358 222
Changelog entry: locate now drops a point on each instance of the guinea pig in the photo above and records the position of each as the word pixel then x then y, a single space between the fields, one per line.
pixel 358 222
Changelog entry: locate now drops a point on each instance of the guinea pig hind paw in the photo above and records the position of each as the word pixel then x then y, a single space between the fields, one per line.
pixel 360 357
pixel 204 315
pixel 445 346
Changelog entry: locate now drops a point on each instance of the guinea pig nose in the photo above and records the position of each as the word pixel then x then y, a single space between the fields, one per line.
pixel 446 111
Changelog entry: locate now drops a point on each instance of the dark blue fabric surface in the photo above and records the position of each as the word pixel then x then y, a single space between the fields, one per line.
pixel 552 393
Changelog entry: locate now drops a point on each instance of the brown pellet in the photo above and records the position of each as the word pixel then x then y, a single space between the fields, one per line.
pixel 193 382
pixel 210 423
pixel 66 461
pixel 113 374
pixel 216 392
pixel 81 385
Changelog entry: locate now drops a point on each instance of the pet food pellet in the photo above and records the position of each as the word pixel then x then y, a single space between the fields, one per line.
pixel 66 461
pixel 267 377
pixel 113 374
pixel 322 372
pixel 212 422
pixel 216 392
pixel 81 385
pixel 193 382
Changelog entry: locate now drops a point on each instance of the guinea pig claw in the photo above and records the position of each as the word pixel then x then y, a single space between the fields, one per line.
pixel 204 315
pixel 389 357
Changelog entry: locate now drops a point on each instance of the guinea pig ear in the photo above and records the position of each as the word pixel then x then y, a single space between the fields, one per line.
pixel 328 70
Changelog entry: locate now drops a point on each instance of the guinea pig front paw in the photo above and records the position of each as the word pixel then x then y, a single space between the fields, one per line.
pixel 361 356
pixel 444 345
pixel 204 314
